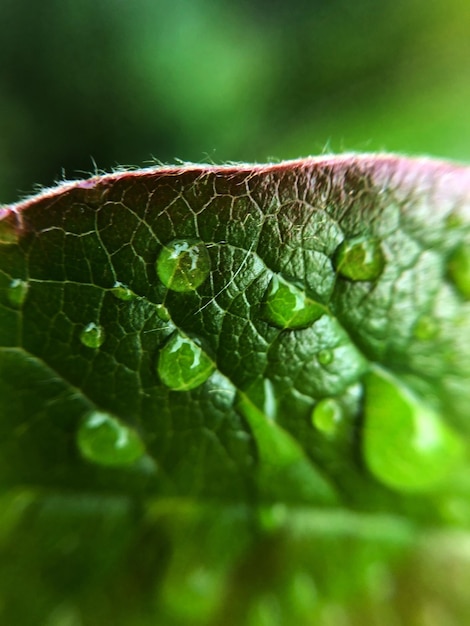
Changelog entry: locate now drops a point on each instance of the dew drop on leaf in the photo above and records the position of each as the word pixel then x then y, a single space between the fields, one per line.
pixel 162 312
pixel 183 265
pixel 17 292
pixel 406 445
pixel 92 336
pixel 326 416
pixel 182 364
pixel 458 268
pixel 122 292
pixel 106 440
pixel 325 356
pixel 288 306
pixel 359 259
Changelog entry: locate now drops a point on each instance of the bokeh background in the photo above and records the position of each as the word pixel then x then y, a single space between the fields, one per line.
pixel 120 82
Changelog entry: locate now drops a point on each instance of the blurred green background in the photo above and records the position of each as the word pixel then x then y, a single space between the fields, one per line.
pixel 119 82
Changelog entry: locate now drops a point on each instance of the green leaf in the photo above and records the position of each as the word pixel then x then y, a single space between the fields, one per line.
pixel 237 394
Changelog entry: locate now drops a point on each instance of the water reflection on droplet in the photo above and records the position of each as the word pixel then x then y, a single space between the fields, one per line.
pixel 288 306
pixel 92 336
pixel 162 312
pixel 406 445
pixel 325 356
pixel 326 416
pixel 17 292
pixel 182 364
pixel 122 292
pixel 183 265
pixel 360 259
pixel 104 439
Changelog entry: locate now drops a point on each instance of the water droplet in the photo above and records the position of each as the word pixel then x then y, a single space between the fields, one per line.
pixel 360 259
pixel 183 265
pixel 122 292
pixel 106 440
pixel 458 268
pixel 162 312
pixel 325 357
pixel 327 415
pixel 406 445
pixel 17 292
pixel 92 336
pixel 425 328
pixel 288 306
pixel 183 364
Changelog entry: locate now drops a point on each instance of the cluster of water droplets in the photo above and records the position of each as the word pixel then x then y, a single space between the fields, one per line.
pixel 406 445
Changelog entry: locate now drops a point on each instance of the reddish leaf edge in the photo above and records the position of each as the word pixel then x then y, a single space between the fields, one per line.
pixel 413 174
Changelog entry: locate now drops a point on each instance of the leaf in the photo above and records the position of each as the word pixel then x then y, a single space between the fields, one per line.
pixel 237 394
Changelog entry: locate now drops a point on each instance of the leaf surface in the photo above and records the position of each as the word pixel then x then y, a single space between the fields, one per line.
pixel 285 347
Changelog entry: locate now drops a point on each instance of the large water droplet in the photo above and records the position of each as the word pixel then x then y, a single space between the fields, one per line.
pixel 360 259
pixel 183 264
pixel 458 268
pixel 406 445
pixel 288 306
pixel 122 292
pixel 327 416
pixel 183 364
pixel 106 440
pixel 92 336
pixel 17 292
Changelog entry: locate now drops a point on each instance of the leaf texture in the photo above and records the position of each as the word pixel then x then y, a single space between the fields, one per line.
pixel 241 341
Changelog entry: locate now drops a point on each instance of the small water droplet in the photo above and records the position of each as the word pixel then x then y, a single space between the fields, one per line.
pixel 288 306
pixel 327 416
pixel 426 328
pixel 17 292
pixel 122 292
pixel 406 445
pixel 360 259
pixel 183 364
pixel 106 440
pixel 325 357
pixel 183 265
pixel 458 268
pixel 162 312
pixel 92 336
